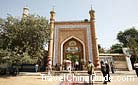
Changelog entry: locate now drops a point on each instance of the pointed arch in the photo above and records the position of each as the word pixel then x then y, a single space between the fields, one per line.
pixel 83 46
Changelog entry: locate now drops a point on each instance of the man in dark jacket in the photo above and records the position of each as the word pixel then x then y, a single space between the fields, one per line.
pixel 107 71
pixel 136 67
pixel 103 70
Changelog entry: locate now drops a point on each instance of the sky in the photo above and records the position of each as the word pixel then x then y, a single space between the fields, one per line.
pixel 112 16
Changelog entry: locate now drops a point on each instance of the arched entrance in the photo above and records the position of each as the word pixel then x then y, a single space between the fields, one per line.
pixel 73 49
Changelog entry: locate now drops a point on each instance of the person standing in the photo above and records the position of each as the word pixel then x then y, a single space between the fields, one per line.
pixel 36 67
pixel 103 70
pixel 90 71
pixel 68 64
pixel 133 59
pixel 112 67
pixel 76 65
pixel 107 71
pixel 136 67
pixel 49 64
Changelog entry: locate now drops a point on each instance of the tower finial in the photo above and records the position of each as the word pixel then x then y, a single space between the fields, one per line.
pixel 25 11
pixel 91 6
pixel 53 9
pixel 91 12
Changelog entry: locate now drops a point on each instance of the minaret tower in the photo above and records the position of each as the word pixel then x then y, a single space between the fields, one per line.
pixel 51 43
pixel 25 11
pixel 93 36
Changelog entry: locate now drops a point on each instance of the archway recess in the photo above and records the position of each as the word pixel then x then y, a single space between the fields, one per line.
pixel 73 46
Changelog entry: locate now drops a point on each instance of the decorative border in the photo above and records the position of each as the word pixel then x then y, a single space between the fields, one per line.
pixel 56 37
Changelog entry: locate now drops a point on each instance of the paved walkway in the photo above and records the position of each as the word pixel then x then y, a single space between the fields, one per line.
pixel 124 78
pixel 119 78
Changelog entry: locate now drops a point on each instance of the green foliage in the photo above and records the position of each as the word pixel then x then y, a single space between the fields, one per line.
pixel 116 48
pixel 101 50
pixel 133 45
pixel 22 40
pixel 129 38
pixel 72 57
pixel 124 37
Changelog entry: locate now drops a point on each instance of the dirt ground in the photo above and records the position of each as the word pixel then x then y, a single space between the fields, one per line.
pixel 37 80
pixel 25 80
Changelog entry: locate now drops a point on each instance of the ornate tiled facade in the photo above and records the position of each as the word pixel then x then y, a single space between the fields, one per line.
pixel 65 31
pixel 80 32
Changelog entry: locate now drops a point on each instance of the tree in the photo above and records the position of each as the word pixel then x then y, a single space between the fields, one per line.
pixel 101 50
pixel 124 37
pixel 133 45
pixel 129 38
pixel 116 48
pixel 22 40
